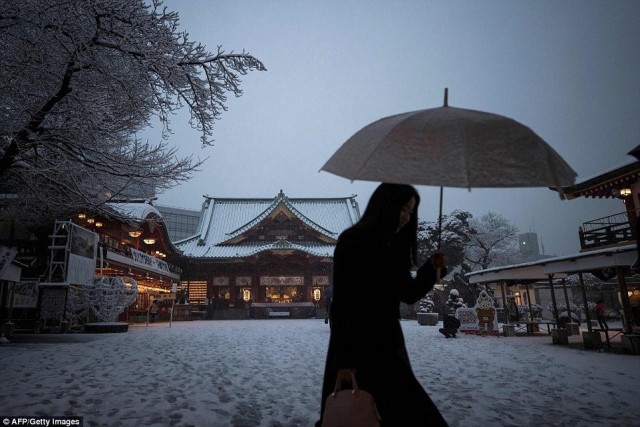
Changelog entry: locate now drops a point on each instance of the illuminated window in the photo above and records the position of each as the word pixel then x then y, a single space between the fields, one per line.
pixel 197 291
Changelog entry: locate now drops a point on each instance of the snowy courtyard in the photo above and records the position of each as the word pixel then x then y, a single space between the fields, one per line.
pixel 269 373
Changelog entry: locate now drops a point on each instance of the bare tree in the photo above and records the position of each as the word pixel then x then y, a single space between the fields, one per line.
pixel 493 242
pixel 78 79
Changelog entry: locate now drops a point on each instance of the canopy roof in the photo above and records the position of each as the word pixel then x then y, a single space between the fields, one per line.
pixel 558 267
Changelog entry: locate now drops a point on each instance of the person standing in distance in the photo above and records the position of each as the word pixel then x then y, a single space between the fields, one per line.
pixel 371 276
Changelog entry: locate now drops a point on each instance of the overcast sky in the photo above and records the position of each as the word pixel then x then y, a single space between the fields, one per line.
pixel 570 70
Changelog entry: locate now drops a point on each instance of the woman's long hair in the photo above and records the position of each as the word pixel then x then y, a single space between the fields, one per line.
pixel 382 217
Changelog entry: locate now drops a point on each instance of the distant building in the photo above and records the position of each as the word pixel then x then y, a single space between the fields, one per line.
pixel 529 247
pixel 180 223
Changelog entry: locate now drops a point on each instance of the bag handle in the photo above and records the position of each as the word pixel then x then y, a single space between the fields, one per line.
pixel 354 384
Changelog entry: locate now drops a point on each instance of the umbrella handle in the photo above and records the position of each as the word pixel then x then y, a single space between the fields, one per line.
pixel 438 274
pixel 440 220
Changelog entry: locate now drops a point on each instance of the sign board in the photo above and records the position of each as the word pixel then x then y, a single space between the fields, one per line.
pixel 83 247
pixel 481 319
pixel 25 294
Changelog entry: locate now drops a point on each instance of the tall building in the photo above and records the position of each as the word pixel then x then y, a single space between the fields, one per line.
pixel 180 223
pixel 529 247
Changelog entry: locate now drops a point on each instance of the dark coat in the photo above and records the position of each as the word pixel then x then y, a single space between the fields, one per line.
pixel 370 280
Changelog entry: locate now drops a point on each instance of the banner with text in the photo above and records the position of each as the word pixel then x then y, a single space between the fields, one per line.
pixel 149 262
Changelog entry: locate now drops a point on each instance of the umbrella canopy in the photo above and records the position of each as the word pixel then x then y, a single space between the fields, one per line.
pixel 450 147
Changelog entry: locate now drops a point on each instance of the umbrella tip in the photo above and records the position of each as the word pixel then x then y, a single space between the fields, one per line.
pixel 446 96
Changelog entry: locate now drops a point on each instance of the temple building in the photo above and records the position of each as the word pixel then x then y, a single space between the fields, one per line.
pixel 274 254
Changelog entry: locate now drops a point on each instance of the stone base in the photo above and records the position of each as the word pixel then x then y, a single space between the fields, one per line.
pixel 7 329
pixel 592 340
pixel 631 343
pixel 572 328
pixel 509 330
pixel 560 336
pixel 105 327
pixel 427 319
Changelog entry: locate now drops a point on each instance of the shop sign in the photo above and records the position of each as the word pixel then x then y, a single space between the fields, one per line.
pixel 25 295
pixel 243 281
pixel 221 281
pixel 320 280
pixel 149 261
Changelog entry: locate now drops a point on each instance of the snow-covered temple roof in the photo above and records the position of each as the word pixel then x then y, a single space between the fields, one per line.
pixel 136 211
pixel 225 223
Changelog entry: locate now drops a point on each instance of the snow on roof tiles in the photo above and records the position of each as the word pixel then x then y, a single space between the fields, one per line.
pixel 135 211
pixel 224 218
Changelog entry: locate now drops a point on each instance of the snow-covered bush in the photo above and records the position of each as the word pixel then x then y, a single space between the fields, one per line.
pixel 426 305
pixel 524 310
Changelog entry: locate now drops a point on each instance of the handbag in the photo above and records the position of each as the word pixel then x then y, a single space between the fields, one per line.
pixel 350 407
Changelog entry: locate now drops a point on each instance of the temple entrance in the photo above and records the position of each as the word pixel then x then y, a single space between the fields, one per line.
pixel 283 289
pixel 284 294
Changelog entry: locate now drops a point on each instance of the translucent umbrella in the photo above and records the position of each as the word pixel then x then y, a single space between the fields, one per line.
pixel 451 147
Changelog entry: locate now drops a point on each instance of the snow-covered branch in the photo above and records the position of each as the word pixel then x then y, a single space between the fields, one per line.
pixel 80 78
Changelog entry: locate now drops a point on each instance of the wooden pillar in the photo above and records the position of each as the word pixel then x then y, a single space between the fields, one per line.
pixel 585 302
pixel 529 301
pixel 566 299
pixel 624 296
pixel 553 300
pixel 504 301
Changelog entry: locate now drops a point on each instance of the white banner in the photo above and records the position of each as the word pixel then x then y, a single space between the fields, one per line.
pixel 83 247
pixel 149 261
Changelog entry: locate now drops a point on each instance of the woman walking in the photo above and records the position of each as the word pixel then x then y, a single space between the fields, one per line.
pixel 372 263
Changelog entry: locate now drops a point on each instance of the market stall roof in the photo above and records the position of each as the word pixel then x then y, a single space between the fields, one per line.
pixel 618 256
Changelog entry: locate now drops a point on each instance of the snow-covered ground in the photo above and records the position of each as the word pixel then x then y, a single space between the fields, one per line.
pixel 269 373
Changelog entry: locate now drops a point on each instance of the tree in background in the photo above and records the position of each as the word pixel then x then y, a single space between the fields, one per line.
pixel 78 79
pixel 493 242
pixel 469 244
pixel 456 228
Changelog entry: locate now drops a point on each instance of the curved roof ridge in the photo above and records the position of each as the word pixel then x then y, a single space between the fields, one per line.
pixel 309 222
pixel 285 244
pixel 282 198
pixel 254 221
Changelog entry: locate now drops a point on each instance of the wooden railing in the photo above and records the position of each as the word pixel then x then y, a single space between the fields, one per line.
pixel 606 231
